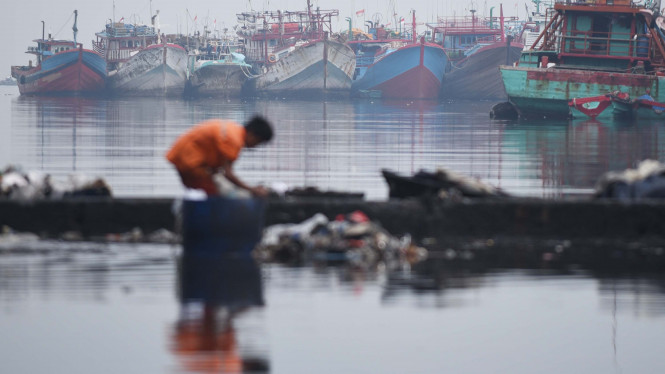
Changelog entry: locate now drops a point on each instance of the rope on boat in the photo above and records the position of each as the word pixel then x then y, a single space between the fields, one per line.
pixel 245 70
pixel 63 25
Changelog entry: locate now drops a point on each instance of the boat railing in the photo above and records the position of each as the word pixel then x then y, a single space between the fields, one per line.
pixel 606 44
pixel 114 55
pixel 124 30
pixel 599 2
pixel 99 48
pixel 488 39
pixel 214 57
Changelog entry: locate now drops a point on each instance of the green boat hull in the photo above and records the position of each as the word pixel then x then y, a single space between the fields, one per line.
pixel 538 92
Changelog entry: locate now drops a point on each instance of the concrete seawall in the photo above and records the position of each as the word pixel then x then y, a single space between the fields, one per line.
pixel 536 218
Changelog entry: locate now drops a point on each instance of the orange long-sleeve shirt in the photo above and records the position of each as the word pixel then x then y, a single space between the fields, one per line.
pixel 207 145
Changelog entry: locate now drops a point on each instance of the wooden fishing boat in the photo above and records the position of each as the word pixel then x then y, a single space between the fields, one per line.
pixel 397 66
pixel 140 61
pixel 621 103
pixel 476 46
pixel 219 69
pixel 63 67
pixel 587 50
pixel 292 53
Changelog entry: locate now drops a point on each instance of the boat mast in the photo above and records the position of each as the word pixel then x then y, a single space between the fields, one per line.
pixel 413 25
pixel 503 30
pixel 309 16
pixel 74 28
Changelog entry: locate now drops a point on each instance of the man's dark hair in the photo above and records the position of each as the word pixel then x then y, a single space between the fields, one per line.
pixel 260 127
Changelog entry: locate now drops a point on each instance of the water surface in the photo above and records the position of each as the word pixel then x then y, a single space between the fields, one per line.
pixel 337 145
pixel 125 308
pixel 122 308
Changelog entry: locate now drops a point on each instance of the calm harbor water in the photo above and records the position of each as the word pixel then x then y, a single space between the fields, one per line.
pixel 339 145
pixel 111 308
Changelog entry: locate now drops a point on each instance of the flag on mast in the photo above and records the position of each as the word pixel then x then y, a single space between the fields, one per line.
pixel 360 12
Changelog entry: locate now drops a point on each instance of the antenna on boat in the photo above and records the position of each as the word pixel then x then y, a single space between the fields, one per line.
pixel 39 56
pixel 74 28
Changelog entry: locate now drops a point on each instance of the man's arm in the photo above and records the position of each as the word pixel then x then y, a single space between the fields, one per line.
pixel 227 169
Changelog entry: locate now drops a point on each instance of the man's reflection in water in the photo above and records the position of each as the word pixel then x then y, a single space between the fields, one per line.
pixel 213 291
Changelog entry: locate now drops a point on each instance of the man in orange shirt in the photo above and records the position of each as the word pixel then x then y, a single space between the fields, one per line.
pixel 211 147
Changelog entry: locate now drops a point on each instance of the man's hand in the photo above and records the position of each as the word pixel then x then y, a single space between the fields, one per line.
pixel 259 191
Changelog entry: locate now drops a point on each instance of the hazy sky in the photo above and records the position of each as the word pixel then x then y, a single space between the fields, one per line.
pixel 21 20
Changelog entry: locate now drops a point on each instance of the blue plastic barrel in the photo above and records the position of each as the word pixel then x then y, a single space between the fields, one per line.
pixel 642 46
pixel 219 225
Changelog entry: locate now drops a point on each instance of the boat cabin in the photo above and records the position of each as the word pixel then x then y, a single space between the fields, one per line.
pixel 269 35
pixel 48 47
pixel 609 35
pixel 120 41
pixel 459 35
pixel 462 36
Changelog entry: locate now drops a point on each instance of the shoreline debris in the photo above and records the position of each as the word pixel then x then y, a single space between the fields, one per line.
pixel 646 181
pixel 17 184
pixel 352 237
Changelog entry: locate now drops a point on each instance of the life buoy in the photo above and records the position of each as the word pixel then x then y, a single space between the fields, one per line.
pixel 272 58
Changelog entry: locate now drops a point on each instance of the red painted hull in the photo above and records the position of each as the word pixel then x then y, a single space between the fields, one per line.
pixel 417 83
pixel 74 78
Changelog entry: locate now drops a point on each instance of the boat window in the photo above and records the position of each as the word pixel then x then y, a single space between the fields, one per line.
pixel 601 33
pixel 622 25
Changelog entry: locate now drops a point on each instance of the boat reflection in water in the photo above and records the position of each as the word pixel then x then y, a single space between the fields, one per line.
pixel 214 292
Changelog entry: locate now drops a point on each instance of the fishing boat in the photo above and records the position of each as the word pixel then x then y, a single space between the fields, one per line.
pixel 63 67
pixel 293 53
pixel 218 69
pixel 587 50
pixel 141 61
pixel 397 66
pixel 9 81
pixel 621 103
pixel 476 46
